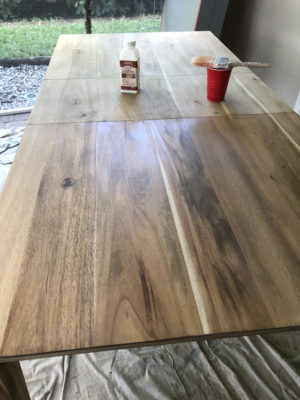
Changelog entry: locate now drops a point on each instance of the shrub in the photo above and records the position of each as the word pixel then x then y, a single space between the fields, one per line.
pixel 10 9
pixel 7 8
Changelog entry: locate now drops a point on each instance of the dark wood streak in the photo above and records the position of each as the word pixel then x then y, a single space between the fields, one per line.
pixel 240 154
pixel 148 292
pixel 244 167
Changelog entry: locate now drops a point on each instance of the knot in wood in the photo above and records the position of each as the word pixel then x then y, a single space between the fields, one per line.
pixel 68 182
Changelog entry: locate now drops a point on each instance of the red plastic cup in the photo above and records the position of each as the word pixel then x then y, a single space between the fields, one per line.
pixel 217 82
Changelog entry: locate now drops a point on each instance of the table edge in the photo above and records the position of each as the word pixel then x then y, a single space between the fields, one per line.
pixel 124 346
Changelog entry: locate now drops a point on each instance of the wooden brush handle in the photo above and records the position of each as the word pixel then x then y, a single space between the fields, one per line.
pixel 248 64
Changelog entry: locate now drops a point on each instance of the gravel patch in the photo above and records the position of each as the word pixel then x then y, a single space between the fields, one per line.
pixel 19 86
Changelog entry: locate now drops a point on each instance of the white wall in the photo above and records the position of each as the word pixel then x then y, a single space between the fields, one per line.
pixel 268 30
pixel 180 15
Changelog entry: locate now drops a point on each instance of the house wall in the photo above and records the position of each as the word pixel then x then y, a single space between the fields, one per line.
pixel 179 15
pixel 269 31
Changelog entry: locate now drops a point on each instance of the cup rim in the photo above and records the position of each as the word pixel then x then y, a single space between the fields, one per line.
pixel 220 69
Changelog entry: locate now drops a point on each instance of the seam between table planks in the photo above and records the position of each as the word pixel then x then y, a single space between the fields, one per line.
pixel 165 119
pixel 271 115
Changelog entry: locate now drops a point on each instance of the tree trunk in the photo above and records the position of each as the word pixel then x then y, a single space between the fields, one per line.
pixel 88 11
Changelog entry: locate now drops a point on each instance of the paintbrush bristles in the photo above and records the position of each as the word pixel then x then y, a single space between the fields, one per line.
pixel 207 61
pixel 203 61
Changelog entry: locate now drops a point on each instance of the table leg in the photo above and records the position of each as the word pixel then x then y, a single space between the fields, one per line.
pixel 12 382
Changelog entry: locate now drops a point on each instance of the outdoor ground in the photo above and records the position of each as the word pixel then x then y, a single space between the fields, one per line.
pixel 38 37
pixel 20 85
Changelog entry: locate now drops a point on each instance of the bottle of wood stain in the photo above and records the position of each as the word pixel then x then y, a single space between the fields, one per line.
pixel 130 68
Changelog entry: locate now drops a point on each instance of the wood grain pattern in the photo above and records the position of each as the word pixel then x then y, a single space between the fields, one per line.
pixel 174 51
pixel 71 100
pixel 288 124
pixel 170 86
pixel 143 266
pixel 164 53
pixel 234 183
pixel 12 382
pixel 154 99
pixel 246 94
pixel 102 263
pixel 74 57
pixel 110 47
pixel 90 100
pixel 148 232
pixel 100 100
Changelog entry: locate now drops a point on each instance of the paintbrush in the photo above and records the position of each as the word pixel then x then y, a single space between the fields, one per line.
pixel 223 63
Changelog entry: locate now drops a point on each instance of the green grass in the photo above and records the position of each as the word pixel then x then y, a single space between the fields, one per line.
pixel 38 37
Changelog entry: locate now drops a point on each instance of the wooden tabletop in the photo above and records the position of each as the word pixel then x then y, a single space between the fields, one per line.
pixel 133 220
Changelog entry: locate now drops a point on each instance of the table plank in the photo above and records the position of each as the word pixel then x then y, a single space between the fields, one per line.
pixel 175 50
pixel 75 56
pixel 97 56
pixel 110 47
pixel 234 187
pixel 170 86
pixel 143 273
pixel 74 100
pixel 246 94
pixel 289 125
pixel 90 100
pixel 98 260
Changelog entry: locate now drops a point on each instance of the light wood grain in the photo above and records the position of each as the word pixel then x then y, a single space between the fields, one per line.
pixel 100 100
pixel 76 100
pixel 102 263
pixel 155 99
pixel 175 50
pixel 71 100
pixel 170 86
pixel 246 94
pixel 288 125
pixel 110 47
pixel 75 56
pixel 164 53
pixel 12 382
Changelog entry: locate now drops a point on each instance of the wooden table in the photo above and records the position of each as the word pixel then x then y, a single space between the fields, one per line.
pixel 157 218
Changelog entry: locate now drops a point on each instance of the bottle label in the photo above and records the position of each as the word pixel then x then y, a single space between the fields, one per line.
pixel 129 75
